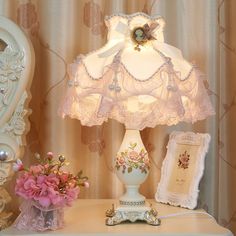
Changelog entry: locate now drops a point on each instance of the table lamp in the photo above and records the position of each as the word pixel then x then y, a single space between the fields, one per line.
pixel 140 81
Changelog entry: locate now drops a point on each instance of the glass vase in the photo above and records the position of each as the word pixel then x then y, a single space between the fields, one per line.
pixel 34 217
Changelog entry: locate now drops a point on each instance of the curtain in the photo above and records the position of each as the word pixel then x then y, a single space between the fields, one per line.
pixel 62 29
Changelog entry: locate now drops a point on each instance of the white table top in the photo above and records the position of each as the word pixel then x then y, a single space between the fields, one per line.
pixel 87 217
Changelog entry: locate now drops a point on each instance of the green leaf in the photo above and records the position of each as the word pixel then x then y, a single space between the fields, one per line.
pixel 130 169
pixel 132 145
pixel 80 173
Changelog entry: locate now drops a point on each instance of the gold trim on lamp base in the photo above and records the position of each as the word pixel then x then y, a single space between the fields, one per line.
pixel 132 213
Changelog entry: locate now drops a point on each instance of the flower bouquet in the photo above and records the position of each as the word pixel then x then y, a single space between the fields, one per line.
pixel 46 189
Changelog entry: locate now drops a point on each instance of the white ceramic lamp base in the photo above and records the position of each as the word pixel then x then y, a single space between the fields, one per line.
pixel 132 168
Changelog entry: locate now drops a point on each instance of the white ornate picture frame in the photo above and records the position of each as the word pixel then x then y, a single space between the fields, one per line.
pixel 182 169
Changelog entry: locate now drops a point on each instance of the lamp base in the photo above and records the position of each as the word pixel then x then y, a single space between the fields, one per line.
pixel 132 213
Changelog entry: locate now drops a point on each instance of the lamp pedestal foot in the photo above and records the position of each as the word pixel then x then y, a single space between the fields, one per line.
pixel 132 213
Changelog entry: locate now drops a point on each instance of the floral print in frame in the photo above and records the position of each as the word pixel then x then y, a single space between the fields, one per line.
pixel 183 161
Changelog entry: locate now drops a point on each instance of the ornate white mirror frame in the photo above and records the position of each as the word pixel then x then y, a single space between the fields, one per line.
pixel 16 71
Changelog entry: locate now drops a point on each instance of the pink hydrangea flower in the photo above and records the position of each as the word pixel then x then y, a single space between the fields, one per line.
pixel 47 184
pixel 71 195
pixel 37 169
pixel 64 177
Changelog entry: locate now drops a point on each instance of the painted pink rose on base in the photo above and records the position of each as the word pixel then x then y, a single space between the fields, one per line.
pixel 132 159
pixel 134 156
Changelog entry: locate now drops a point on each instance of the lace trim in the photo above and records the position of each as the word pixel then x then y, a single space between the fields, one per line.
pixel 141 120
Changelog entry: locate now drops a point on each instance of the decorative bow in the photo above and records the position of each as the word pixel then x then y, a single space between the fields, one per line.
pixel 148 30
pixel 122 28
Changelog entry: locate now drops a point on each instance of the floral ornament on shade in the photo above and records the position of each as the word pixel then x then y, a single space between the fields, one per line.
pixel 141 35
pixel 47 183
pixel 131 159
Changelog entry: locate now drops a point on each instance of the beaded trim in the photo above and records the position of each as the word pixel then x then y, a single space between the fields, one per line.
pixel 130 17
pixel 149 78
pixel 167 62
pixel 156 17
pixel 140 203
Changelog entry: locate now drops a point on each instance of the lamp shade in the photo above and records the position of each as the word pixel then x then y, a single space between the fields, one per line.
pixel 135 78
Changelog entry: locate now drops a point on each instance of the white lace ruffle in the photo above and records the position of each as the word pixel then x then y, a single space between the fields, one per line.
pixel 173 100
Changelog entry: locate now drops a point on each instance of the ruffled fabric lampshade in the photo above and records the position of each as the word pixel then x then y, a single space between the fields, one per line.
pixel 140 81
pixel 139 87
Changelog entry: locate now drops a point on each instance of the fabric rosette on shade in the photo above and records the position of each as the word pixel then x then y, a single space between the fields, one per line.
pixel 136 79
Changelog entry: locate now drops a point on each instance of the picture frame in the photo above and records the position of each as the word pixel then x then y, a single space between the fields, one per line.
pixel 182 169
